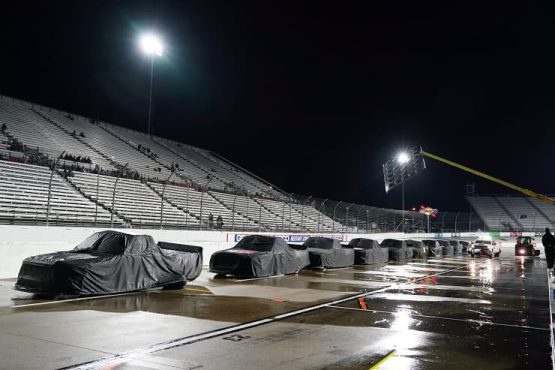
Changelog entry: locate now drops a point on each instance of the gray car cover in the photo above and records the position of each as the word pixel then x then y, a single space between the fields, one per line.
pixel 419 249
pixel 448 249
pixel 110 262
pixel 259 256
pixel 328 253
pixel 457 247
pixel 433 247
pixel 398 249
pixel 368 251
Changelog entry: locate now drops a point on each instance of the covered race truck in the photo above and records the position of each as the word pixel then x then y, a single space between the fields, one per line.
pixel 110 262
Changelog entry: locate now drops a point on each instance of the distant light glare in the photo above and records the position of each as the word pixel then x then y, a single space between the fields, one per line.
pixel 151 44
pixel 403 158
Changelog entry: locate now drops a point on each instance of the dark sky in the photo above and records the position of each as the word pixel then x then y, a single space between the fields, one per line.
pixel 313 96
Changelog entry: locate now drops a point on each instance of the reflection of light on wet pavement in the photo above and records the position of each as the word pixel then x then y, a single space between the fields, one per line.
pixel 391 273
pixel 426 298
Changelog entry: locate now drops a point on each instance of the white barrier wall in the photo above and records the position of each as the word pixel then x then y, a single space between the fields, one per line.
pixel 18 242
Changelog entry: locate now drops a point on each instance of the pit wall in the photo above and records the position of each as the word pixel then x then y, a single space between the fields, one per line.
pixel 18 242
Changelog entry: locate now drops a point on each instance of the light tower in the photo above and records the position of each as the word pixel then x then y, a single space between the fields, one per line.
pixel 152 46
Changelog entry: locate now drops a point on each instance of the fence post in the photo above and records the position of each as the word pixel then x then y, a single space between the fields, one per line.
pixel 233 214
pixel 97 200
pixel 201 197
pixel 187 204
pixel 114 196
pixel 320 212
pixel 302 211
pixel 456 217
pixel 162 200
pixel 50 187
pixel 358 218
pixel 282 216
pixel 333 217
pixel 442 219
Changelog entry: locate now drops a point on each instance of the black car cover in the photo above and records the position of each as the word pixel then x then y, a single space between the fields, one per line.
pixel 328 253
pixel 447 248
pixel 418 247
pixel 259 256
pixel 368 251
pixel 433 247
pixel 398 249
pixel 110 262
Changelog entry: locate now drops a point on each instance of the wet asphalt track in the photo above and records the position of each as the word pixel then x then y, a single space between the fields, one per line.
pixel 455 313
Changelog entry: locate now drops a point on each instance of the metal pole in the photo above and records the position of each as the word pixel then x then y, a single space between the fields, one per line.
pixel 346 219
pixel 442 219
pixel 456 217
pixel 358 218
pixel 114 196
pixel 150 94
pixel 282 216
pixel 320 212
pixel 162 200
pixel 201 197
pixel 291 200
pixel 187 204
pixel 333 217
pixel 367 221
pixel 50 187
pixel 97 200
pixel 403 202
pixel 233 214
pixel 259 216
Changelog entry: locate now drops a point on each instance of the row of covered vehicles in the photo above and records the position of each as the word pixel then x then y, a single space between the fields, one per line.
pixel 261 255
pixel 115 262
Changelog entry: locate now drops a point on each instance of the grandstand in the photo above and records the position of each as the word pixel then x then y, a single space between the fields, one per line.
pixel 160 182
pixel 512 212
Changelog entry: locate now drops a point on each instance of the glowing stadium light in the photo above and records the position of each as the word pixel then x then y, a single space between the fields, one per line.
pixel 404 166
pixel 403 158
pixel 151 44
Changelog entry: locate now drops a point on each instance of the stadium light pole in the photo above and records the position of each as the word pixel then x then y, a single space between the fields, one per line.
pixel 50 186
pixel 403 158
pixel 152 46
pixel 162 200
pixel 114 195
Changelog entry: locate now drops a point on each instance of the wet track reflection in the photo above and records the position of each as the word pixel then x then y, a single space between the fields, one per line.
pixel 449 312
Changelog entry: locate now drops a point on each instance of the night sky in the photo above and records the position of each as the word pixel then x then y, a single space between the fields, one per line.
pixel 312 96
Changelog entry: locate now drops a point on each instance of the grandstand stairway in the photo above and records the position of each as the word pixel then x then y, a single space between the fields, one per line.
pixel 513 218
pixel 188 160
pixel 79 139
pixel 540 211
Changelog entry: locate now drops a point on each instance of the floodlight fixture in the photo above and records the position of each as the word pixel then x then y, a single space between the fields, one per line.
pixel 151 44
pixel 405 165
pixel 403 157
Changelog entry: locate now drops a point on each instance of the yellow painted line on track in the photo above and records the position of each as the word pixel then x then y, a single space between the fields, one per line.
pixel 383 360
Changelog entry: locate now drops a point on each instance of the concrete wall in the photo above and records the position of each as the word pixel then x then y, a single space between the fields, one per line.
pixel 18 242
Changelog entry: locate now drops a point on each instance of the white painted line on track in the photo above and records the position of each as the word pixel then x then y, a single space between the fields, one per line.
pixel 126 356
pixel 253 279
pixel 481 322
pixel 71 300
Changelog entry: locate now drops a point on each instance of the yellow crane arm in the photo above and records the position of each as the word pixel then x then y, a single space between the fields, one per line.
pixel 524 191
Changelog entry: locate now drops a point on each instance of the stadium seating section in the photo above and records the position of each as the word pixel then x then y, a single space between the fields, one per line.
pixel 513 213
pixel 202 185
